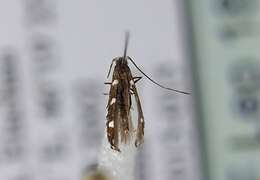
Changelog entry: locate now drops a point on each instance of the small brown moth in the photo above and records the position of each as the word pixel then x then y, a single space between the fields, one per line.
pixel 119 124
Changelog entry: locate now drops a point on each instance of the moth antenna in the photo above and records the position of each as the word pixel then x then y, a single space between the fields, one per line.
pixel 178 91
pixel 127 34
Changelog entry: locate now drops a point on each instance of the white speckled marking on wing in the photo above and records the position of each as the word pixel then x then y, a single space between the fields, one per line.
pixel 113 101
pixel 115 82
pixel 111 124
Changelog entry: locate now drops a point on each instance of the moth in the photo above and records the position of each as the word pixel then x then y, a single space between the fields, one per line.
pixel 119 124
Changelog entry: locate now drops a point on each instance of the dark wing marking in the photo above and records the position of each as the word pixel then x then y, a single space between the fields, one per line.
pixel 124 109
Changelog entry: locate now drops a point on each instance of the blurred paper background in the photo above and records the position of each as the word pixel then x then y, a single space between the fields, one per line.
pixel 226 65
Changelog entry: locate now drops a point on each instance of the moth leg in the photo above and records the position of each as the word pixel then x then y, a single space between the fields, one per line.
pixel 131 91
pixel 108 83
pixel 136 79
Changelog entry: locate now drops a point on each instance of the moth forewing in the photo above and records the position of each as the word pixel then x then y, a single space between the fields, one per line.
pixel 140 117
pixel 112 119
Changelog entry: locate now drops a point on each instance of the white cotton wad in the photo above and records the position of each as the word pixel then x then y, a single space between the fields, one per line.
pixel 119 165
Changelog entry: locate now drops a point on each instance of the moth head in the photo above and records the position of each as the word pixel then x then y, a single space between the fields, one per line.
pixel 122 61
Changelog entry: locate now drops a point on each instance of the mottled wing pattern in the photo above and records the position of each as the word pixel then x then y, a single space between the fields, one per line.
pixel 113 117
pixel 118 117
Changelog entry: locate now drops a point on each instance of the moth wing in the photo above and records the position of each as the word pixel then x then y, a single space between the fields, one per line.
pixel 140 121
pixel 112 117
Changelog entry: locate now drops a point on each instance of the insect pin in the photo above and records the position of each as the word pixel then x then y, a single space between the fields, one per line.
pixel 119 124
